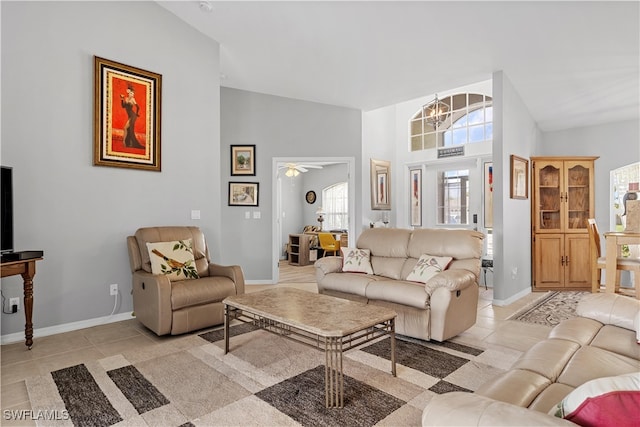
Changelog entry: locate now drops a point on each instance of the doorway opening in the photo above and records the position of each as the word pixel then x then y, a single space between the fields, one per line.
pixel 290 193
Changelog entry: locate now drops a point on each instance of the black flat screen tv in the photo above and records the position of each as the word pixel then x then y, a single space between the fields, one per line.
pixel 6 210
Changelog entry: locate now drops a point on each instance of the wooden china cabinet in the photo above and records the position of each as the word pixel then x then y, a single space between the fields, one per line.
pixel 562 200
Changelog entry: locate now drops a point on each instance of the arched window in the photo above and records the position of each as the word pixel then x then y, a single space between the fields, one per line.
pixel 470 120
pixel 335 203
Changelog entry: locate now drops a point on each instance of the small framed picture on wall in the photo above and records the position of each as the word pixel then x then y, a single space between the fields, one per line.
pixel 243 160
pixel 519 178
pixel 243 193
pixel 415 184
pixel 380 185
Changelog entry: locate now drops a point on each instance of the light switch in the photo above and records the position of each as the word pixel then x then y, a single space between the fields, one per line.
pixel 256 215
pixel 195 214
pixel 247 215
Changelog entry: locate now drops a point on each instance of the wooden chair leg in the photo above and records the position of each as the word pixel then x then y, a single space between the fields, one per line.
pixel 617 289
pixel 636 282
pixel 595 280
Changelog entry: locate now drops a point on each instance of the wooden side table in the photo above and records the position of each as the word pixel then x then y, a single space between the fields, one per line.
pixel 27 269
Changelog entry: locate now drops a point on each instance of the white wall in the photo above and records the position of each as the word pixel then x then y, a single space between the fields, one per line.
pixel 378 142
pixel 280 128
pixel 77 213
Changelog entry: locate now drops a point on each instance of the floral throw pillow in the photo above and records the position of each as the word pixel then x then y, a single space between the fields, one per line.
pixel 175 259
pixel 356 260
pixel 427 267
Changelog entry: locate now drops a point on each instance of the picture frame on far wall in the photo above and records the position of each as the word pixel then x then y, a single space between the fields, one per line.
pixel 519 178
pixel 488 195
pixel 127 107
pixel 243 193
pixel 380 185
pixel 415 186
pixel 243 160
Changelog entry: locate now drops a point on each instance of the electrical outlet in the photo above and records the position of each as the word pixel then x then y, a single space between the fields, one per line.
pixel 14 302
pixel 113 289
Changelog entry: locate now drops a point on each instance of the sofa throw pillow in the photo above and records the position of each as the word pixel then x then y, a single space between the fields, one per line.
pixel 608 401
pixel 356 260
pixel 175 259
pixel 427 267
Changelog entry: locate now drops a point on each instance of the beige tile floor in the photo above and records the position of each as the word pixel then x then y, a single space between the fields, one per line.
pixel 71 348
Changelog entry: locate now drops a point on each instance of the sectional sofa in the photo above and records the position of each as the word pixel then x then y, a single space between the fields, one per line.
pixel 587 372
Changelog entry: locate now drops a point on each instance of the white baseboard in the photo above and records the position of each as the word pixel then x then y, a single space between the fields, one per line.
pixel 259 282
pixel 66 327
pixel 501 303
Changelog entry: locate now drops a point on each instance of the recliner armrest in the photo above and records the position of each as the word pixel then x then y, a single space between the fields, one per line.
pixel 233 272
pixel 467 409
pixel 454 280
pixel 152 301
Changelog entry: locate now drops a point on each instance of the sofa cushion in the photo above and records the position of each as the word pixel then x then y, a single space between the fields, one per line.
pixel 608 401
pixel 550 396
pixel 547 358
pixel 518 387
pixel 387 267
pixel 173 259
pixel 385 242
pixel 427 267
pixel 617 340
pixel 399 292
pixel 188 293
pixel 589 363
pixel 353 283
pixel 577 329
pixel 459 244
pixel 356 260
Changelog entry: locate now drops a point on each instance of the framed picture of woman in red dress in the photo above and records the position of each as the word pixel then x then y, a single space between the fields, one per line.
pixel 127 104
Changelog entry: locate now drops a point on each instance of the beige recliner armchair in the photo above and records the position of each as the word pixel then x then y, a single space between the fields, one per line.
pixel 178 305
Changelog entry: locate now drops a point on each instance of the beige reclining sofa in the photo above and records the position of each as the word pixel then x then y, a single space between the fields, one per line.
pixel 169 305
pixel 583 362
pixel 439 309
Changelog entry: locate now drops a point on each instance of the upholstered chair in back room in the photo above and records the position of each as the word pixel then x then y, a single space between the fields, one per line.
pixel 329 244
pixel 176 288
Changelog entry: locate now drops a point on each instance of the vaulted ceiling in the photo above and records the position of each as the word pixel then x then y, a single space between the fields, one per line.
pixel 573 63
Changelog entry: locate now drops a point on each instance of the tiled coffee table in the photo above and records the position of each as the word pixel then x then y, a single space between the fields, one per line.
pixel 321 321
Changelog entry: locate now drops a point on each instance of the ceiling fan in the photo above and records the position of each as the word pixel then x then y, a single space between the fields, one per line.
pixel 294 169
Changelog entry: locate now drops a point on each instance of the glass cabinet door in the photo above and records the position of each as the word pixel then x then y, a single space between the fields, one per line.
pixel 549 197
pixel 577 195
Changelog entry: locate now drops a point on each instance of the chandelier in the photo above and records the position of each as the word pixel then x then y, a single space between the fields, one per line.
pixel 436 112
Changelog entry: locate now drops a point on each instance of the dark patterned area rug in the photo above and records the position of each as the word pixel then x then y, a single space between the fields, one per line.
pixel 264 380
pixel 550 309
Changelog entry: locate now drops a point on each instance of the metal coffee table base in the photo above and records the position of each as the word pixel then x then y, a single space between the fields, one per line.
pixel 334 346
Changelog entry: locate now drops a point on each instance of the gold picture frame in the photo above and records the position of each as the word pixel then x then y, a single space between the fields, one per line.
pixel 415 197
pixel 519 178
pixel 243 160
pixel 380 185
pixel 243 193
pixel 127 107
pixel 488 195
